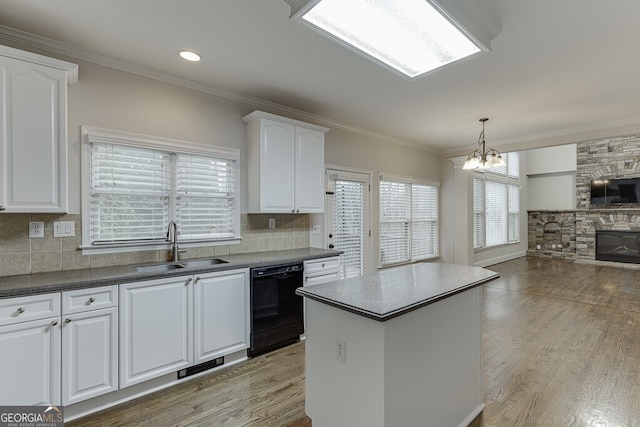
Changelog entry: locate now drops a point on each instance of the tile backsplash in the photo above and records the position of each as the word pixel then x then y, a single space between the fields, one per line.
pixel 20 254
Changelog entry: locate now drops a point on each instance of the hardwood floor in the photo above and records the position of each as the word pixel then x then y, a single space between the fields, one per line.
pixel 561 347
pixel 267 390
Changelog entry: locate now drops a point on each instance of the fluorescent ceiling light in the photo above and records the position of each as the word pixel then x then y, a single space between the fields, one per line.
pixel 190 55
pixel 409 36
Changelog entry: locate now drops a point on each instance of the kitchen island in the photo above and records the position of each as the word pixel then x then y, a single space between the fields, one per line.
pixel 401 347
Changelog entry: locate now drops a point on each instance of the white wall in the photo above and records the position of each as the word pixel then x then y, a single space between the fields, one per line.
pixel 354 151
pixel 114 99
pixel 551 178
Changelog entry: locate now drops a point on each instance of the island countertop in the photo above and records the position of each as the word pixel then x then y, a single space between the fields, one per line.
pixel 395 291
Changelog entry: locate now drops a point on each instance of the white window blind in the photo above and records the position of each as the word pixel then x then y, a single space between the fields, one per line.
pixel 514 213
pixel 205 197
pixel 424 236
pixel 129 193
pixel 138 184
pixel 349 227
pixel 395 214
pixel 479 211
pixel 408 221
pixel 496 204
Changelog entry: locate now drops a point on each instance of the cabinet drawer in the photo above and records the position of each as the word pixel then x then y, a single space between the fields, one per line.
pixel 320 278
pixel 322 265
pixel 89 299
pixel 32 307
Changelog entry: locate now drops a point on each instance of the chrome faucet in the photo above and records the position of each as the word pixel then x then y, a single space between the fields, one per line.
pixel 172 236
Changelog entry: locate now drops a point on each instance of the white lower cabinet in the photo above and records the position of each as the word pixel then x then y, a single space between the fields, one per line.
pixel 221 314
pixel 156 328
pixel 321 270
pixel 89 343
pixel 30 350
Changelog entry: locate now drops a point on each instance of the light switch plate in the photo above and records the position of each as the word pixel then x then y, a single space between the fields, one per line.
pixel 64 229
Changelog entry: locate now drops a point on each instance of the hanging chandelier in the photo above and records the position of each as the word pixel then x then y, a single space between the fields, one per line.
pixel 481 158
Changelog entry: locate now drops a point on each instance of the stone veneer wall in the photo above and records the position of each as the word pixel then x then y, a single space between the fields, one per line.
pixel 559 243
pixel 617 157
pixel 21 255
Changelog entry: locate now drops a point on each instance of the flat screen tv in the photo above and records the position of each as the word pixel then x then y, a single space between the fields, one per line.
pixel 615 191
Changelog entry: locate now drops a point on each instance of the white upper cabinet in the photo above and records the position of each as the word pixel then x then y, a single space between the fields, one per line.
pixel 285 165
pixel 33 131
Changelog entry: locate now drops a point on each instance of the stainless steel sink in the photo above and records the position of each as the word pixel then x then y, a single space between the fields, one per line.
pixel 158 268
pixel 199 263
pixel 164 268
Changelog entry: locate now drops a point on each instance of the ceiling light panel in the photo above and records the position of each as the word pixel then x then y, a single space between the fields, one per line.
pixel 409 36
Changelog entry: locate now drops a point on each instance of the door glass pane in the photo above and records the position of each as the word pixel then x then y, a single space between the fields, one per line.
pixel 348 221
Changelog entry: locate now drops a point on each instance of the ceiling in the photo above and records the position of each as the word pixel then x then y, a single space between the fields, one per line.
pixel 557 68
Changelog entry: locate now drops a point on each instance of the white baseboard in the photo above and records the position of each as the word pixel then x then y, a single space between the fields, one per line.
pixel 498 260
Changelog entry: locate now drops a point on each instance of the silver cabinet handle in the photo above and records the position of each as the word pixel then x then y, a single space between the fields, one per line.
pixel 91 300
pixel 21 310
pixel 67 320
pixel 323 264
pixel 53 323
pixel 197 278
pixel 189 279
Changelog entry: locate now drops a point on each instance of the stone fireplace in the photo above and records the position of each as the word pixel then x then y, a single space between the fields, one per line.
pixel 584 233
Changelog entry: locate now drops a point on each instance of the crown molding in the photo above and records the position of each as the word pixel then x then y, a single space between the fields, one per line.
pixel 42 43
pixel 562 136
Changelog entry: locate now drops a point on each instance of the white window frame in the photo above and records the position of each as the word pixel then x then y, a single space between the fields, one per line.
pixel 508 178
pixel 92 134
pixel 411 181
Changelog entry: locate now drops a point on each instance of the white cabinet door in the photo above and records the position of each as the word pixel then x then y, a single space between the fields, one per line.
pixel 33 137
pixel 30 363
pixel 309 168
pixel 285 165
pixel 156 328
pixel 277 172
pixel 221 314
pixel 89 354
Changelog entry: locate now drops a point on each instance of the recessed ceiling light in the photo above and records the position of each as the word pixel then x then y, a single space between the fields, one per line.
pixel 190 55
pixel 410 36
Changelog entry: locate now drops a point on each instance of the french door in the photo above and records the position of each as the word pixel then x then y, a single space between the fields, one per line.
pixel 348 220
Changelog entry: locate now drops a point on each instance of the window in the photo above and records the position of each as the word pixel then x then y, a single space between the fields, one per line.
pixel 496 204
pixel 135 185
pixel 408 220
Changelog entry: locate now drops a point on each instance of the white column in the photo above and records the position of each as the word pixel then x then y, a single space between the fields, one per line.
pixel 463 212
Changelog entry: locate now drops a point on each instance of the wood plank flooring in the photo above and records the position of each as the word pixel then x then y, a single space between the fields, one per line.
pixel 561 347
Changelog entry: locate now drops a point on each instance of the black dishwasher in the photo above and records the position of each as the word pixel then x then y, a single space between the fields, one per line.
pixel 276 310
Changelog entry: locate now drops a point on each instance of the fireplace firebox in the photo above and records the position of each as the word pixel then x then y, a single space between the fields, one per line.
pixel 618 246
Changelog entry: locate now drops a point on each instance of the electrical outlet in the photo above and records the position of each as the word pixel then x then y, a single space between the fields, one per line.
pixel 36 229
pixel 272 223
pixel 316 229
pixel 341 350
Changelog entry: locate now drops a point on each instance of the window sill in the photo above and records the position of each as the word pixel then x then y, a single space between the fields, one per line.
pixel 433 259
pixel 490 248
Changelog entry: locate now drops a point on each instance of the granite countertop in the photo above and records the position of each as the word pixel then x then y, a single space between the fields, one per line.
pixel 40 283
pixel 390 293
